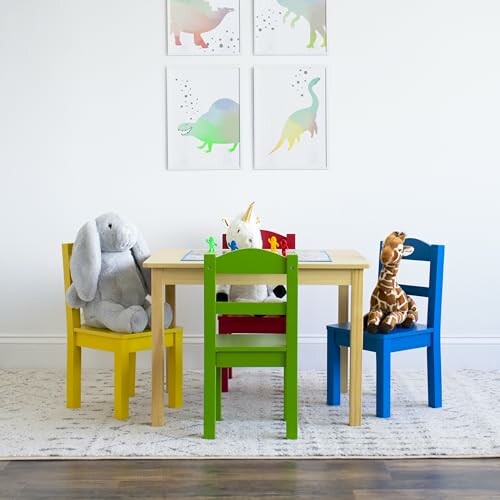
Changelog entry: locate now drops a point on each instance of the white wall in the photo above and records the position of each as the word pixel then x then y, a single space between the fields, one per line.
pixel 414 95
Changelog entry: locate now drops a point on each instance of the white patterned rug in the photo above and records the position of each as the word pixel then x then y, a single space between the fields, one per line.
pixel 34 422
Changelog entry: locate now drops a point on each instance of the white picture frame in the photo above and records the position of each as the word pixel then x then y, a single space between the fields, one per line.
pixel 290 126
pixel 203 118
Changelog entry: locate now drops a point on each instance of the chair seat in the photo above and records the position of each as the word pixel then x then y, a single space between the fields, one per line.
pixel 107 340
pixel 104 332
pixel 249 342
pixel 401 339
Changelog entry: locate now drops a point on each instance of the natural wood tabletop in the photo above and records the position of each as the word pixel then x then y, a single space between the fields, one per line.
pixel 169 258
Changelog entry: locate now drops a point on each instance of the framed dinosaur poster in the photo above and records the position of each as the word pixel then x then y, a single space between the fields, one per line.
pixel 203 118
pixel 203 27
pixel 290 117
pixel 293 27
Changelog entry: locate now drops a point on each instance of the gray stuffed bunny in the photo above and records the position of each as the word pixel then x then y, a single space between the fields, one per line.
pixel 110 283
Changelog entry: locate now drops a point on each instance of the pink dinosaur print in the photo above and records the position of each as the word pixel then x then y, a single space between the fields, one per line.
pixel 196 17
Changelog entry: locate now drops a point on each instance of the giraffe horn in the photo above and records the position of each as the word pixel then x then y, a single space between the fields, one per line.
pixel 246 216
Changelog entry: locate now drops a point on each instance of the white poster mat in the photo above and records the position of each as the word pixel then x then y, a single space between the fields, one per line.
pixel 289 105
pixel 286 27
pixel 217 23
pixel 203 108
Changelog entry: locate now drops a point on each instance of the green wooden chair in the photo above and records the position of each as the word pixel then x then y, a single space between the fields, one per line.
pixel 246 350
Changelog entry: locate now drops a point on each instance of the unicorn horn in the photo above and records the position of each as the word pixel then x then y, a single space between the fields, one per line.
pixel 246 216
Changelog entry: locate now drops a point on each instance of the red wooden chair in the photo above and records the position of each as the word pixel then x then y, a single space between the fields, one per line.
pixel 253 324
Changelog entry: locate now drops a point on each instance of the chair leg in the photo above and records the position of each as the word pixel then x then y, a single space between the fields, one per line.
pixel 229 374
pixel 122 381
pixel 73 377
pixel 383 383
pixel 218 408
pixel 166 369
pixel 344 369
pixel 285 394
pixel 291 401
pixel 225 379
pixel 434 384
pixel 131 377
pixel 332 371
pixel 175 372
pixel 209 403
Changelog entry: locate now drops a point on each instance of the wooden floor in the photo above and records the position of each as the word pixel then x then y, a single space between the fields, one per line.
pixel 339 479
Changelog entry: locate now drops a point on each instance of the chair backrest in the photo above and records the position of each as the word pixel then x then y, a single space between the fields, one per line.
pixel 290 239
pixel 73 318
pixel 434 254
pixel 260 263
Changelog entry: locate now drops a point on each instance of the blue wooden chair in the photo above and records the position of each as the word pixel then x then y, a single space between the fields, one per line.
pixel 399 339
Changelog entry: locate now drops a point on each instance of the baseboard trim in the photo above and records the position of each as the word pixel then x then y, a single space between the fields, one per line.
pixel 198 339
pixel 48 351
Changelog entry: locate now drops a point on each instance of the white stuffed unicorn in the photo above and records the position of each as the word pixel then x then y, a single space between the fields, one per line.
pixel 244 231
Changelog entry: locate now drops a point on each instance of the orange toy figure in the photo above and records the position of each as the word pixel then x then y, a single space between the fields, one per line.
pixel 284 247
pixel 273 243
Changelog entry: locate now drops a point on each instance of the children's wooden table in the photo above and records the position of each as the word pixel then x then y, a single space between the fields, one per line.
pixel 344 268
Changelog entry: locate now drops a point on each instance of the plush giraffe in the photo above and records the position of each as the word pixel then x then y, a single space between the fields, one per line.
pixel 389 304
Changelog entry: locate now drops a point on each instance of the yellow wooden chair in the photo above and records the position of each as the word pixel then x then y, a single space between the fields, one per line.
pixel 124 346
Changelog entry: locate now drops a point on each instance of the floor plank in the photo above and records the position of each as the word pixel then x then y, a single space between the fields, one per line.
pixel 238 479
pixel 441 494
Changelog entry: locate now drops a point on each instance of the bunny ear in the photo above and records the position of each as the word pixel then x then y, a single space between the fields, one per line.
pixel 85 261
pixel 141 252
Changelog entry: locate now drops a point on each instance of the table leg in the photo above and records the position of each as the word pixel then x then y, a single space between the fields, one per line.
pixel 356 350
pixel 158 351
pixel 343 309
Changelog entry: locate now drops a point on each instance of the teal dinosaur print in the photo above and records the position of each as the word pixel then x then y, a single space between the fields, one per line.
pixel 301 121
pixel 313 11
pixel 220 125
